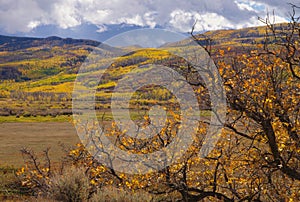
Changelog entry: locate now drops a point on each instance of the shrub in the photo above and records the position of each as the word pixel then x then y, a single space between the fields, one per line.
pixel 70 185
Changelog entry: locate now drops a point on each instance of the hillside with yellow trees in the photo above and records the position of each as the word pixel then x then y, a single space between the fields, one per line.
pixel 256 157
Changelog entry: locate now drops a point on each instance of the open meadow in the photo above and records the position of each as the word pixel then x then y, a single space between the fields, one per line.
pixel 36 136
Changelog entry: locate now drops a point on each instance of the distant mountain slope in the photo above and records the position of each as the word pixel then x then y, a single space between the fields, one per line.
pixel 9 43
pixel 83 31
pixel 240 37
pixel 26 58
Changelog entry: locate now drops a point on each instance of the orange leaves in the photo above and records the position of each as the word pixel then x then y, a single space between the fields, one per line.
pixel 222 52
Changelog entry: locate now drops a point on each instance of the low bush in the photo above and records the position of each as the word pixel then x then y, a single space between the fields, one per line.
pixel 70 185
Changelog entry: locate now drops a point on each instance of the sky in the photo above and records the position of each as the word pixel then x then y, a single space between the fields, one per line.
pixel 26 16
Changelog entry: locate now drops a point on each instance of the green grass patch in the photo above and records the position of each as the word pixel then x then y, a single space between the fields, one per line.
pixel 139 114
pixel 21 119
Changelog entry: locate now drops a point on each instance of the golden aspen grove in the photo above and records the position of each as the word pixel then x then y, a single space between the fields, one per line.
pixel 257 157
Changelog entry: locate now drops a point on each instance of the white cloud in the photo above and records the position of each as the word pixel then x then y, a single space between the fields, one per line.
pixel 213 21
pixel 150 19
pixel 245 5
pixel 135 20
pixel 66 14
pixel 14 17
pixel 182 20
pixel 24 15
pixel 33 24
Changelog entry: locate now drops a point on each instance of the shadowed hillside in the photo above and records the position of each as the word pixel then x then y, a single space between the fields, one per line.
pixel 8 43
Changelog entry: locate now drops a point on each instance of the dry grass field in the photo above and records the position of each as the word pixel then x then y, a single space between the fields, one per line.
pixel 36 136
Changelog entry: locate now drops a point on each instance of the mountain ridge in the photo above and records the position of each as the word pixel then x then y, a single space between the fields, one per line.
pixel 12 43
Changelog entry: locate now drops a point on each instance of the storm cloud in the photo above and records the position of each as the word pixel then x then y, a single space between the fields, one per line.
pixel 26 15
